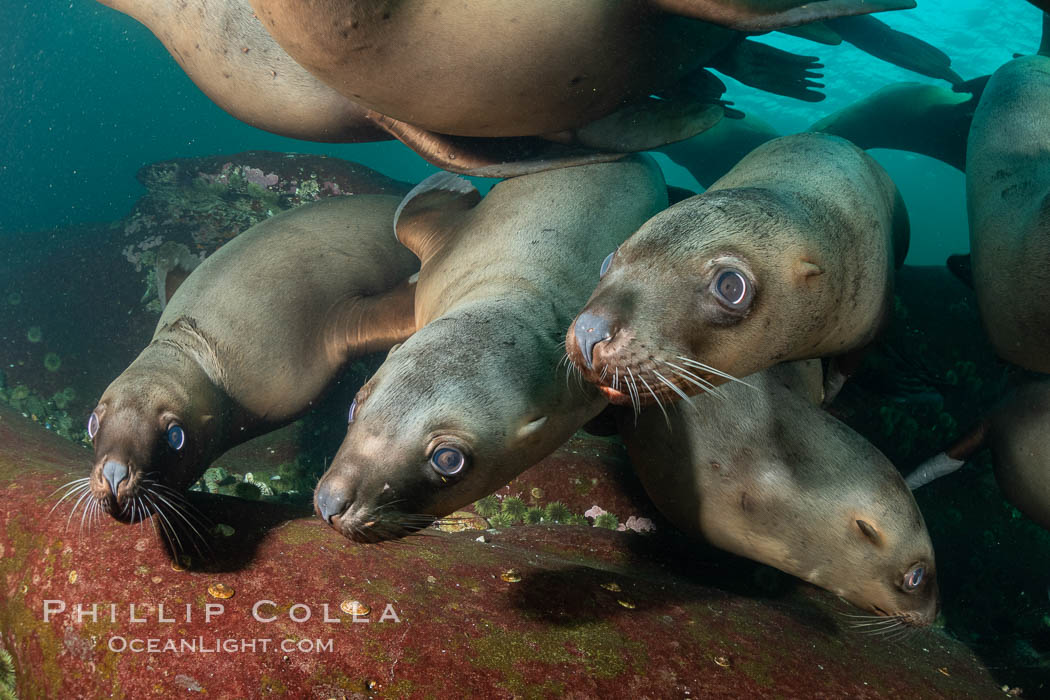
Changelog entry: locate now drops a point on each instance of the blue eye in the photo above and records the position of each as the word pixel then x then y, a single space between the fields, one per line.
pixel 353 411
pixel 732 288
pixel 447 461
pixel 176 437
pixel 92 426
pixel 605 264
pixel 913 579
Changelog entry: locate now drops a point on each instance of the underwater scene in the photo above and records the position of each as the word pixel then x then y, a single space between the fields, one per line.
pixel 560 348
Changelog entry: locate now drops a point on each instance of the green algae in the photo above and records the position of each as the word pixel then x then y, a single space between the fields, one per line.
pixel 598 646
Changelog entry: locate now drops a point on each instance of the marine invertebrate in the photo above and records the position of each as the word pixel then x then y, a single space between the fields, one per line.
pixel 558 512
pixel 247 490
pixel 534 516
pixel 500 521
pixel 487 506
pixel 607 520
pixel 7 670
pixel 514 508
pixel 52 362
pixel 34 334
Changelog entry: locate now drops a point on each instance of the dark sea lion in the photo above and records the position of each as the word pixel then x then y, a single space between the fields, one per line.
pixel 477 394
pixel 713 153
pixel 1018 433
pixel 507 68
pixel 768 475
pixel 875 37
pixel 252 337
pixel 1008 201
pixel 789 256
pixel 927 119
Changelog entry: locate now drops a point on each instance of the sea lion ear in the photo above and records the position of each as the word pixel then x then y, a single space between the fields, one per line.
pixel 870 532
pixel 530 428
pixel 808 268
pixel 768 15
pixel 427 212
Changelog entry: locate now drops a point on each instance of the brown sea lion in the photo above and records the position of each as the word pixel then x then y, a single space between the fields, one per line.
pixel 789 256
pixel 477 394
pixel 252 337
pixel 768 475
pixel 1018 433
pixel 507 68
pixel 1008 200
pixel 226 52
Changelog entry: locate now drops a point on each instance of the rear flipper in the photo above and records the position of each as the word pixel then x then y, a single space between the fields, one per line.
pixel 768 15
pixel 639 126
pixel 951 459
pixel 962 268
pixel 772 70
pixel 877 38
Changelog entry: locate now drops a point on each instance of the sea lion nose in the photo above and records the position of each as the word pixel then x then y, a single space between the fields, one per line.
pixel 114 472
pixel 590 329
pixel 330 500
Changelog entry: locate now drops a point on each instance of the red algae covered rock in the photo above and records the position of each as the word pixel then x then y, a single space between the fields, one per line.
pixel 283 606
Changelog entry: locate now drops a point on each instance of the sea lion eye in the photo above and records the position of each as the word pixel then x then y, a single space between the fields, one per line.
pixel 605 264
pixel 732 288
pixel 353 411
pixel 913 579
pixel 176 437
pixel 447 460
pixel 92 425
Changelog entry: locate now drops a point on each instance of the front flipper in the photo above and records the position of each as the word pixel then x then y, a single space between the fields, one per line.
pixel 431 211
pixel 650 123
pixel 769 15
pixel 878 39
pixel 772 70
pixel 377 322
pixel 489 157
pixel 174 263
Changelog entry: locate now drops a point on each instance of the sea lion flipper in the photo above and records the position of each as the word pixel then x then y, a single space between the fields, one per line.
pixel 878 39
pixel 817 32
pixel 489 157
pixel 427 209
pixel 773 70
pixel 378 322
pixel 769 15
pixel 174 263
pixel 961 266
pixel 651 123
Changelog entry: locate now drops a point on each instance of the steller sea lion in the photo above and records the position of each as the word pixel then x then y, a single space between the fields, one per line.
pixel 1016 432
pixel 767 475
pixel 251 338
pixel 499 68
pixel 1008 200
pixel 789 256
pixel 475 396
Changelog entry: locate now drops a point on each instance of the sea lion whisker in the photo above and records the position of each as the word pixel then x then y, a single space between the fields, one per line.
pixel 716 372
pixel 169 526
pixel 72 491
pixel 659 403
pixel 632 389
pixel 178 500
pixel 674 387
pixel 706 386
pixel 164 528
pixel 83 515
pixel 176 511
pixel 72 485
pixel 76 505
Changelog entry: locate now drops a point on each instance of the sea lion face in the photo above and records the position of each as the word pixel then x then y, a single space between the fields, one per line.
pixel 864 541
pixel 685 304
pixel 445 421
pixel 151 442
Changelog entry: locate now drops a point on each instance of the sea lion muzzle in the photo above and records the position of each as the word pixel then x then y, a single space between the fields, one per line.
pixel 114 473
pixel 589 330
